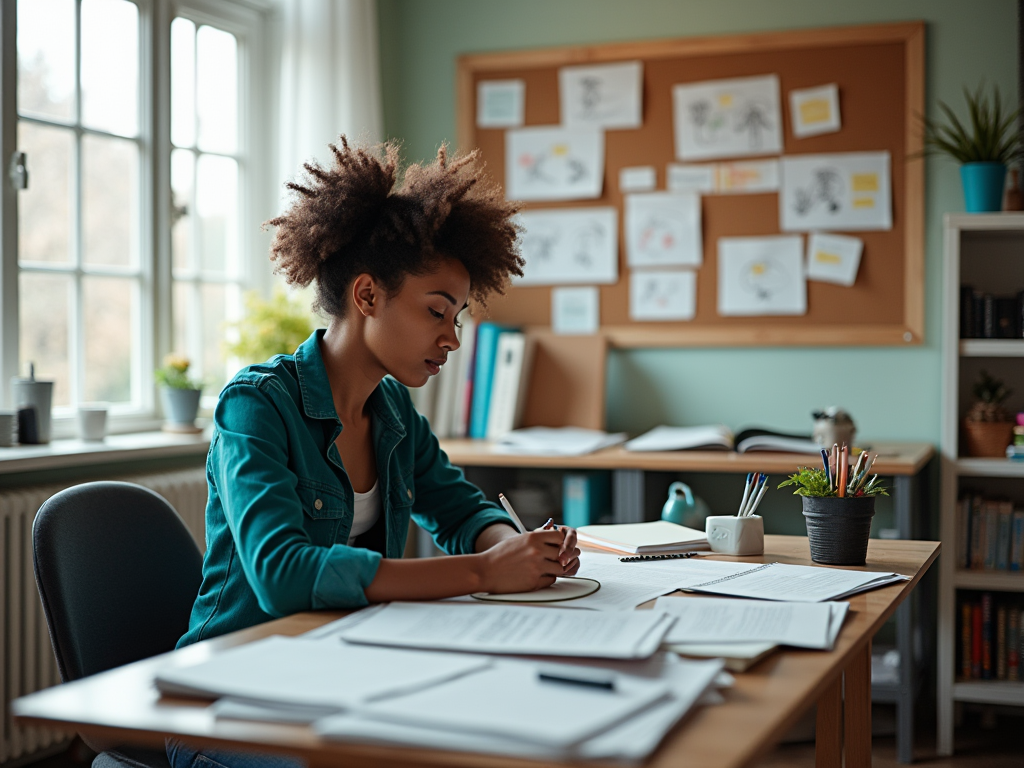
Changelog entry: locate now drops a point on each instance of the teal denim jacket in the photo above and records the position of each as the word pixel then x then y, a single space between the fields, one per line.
pixel 280 502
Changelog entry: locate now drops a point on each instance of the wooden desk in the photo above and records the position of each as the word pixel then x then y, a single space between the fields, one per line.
pixel 123 705
pixel 903 462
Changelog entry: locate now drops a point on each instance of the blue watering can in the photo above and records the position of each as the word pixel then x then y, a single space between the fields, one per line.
pixel 683 508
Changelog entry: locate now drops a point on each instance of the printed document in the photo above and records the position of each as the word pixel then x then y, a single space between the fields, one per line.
pixel 797 583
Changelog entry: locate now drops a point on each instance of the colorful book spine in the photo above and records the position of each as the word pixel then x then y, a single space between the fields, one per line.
pixel 1013 646
pixel 976 641
pixel 487 336
pixel 1003 536
pixel 965 641
pixel 986 636
pixel 1001 639
pixel 1017 541
pixel 977 531
pixel 991 535
pixel 963 533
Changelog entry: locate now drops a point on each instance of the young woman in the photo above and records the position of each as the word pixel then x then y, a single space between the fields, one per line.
pixel 318 459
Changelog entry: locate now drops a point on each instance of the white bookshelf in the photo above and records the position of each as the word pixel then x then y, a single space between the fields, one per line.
pixel 986 251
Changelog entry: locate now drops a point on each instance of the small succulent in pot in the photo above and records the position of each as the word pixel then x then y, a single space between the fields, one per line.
pixel 988 427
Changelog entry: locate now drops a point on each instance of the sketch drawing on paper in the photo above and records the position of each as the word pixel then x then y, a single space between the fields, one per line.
pixel 845 191
pixel 554 163
pixel 569 246
pixel 601 96
pixel 727 118
pixel 764 277
pixel 663 295
pixel 761 276
pixel 663 229
pixel 825 189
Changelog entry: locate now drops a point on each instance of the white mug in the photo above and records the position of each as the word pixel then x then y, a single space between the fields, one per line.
pixel 92 422
pixel 731 535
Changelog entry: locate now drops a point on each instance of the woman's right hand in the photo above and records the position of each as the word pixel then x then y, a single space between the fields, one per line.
pixel 522 563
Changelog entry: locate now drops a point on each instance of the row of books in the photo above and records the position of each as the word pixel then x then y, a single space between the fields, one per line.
pixel 985 316
pixel 989 534
pixel 481 390
pixel 990 637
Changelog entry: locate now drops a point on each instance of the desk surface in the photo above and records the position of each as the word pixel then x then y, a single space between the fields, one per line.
pixel 893 459
pixel 123 704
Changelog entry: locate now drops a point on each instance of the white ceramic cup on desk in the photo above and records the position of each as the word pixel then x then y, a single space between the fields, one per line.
pixel 92 422
pixel 732 535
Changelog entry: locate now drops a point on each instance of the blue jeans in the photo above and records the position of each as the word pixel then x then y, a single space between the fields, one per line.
pixel 183 756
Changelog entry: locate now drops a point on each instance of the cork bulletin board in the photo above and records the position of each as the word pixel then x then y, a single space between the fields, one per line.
pixel 879 71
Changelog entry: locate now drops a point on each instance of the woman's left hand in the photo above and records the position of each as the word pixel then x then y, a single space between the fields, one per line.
pixel 569 553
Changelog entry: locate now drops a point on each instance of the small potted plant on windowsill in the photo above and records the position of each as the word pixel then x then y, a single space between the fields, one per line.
pixel 838 527
pixel 179 394
pixel 988 428
pixel 984 148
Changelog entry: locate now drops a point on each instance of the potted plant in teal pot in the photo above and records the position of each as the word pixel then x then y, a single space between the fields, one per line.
pixel 179 394
pixel 984 146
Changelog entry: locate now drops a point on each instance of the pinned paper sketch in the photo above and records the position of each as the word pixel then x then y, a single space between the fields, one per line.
pixel 575 310
pixel 641 178
pixel 554 163
pixel 570 246
pixel 691 178
pixel 727 118
pixel 602 96
pixel 842 191
pixel 500 103
pixel 814 110
pixel 662 295
pixel 747 177
pixel 761 276
pixel 833 258
pixel 663 229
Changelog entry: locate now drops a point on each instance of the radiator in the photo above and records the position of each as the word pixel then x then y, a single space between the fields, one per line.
pixel 27 662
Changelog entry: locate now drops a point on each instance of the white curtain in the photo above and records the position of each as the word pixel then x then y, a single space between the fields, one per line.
pixel 330 80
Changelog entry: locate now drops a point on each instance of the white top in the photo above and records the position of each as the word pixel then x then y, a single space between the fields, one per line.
pixel 367 510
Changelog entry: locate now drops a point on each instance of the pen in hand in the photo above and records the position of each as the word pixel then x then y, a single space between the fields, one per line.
pixel 512 513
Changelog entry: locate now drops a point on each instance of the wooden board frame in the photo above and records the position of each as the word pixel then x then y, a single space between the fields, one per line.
pixel 909 329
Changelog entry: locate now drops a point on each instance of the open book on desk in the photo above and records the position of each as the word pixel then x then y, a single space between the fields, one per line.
pixel 717 437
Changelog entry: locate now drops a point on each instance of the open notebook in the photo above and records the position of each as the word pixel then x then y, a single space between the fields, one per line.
pixel 655 538
pixel 716 437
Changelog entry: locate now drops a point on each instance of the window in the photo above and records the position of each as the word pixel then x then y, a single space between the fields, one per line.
pixel 109 278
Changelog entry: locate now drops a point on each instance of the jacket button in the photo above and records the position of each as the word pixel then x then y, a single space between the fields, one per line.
pixel 408 492
pixel 318 504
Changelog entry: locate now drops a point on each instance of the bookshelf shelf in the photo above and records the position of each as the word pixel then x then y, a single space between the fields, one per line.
pixel 992 348
pixel 989 468
pixel 990 692
pixel 1000 581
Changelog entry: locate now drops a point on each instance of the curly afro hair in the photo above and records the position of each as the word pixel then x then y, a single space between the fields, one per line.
pixel 351 218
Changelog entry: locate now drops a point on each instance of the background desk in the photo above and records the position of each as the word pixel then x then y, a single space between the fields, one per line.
pixel 123 704
pixel 903 462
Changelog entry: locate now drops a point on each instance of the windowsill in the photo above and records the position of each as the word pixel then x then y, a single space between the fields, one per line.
pixel 137 446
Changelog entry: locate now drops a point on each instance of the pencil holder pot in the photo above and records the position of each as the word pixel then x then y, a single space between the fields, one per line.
pixel 983 186
pixel 732 535
pixel 838 529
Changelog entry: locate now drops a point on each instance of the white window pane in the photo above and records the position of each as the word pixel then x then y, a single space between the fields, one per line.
pixel 44 209
pixel 110 66
pixel 214 299
pixel 217 214
pixel 217 89
pixel 185 319
pixel 44 302
pixel 110 196
pixel 111 315
pixel 46 58
pixel 183 82
pixel 182 177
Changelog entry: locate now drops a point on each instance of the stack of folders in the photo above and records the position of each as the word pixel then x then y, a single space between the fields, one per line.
pixel 481 391
pixel 656 538
pixel 615 699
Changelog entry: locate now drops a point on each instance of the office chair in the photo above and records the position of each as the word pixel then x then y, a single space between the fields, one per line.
pixel 117 573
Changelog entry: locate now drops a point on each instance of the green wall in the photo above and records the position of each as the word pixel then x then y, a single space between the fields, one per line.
pixel 893 393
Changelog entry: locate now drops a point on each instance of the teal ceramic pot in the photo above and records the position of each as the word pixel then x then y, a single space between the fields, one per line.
pixel 683 508
pixel 180 405
pixel 983 186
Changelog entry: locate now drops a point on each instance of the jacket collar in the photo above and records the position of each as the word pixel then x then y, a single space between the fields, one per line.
pixel 315 387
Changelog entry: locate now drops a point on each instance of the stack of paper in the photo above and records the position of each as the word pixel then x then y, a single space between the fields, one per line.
pixel 513 629
pixel 563 441
pixel 659 537
pixel 715 437
pixel 796 583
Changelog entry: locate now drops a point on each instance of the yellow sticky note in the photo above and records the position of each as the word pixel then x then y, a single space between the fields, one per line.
pixel 864 182
pixel 815 111
pixel 827 258
pixel 725 100
pixel 863 202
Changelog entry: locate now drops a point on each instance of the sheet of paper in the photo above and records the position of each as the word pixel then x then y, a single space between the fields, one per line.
pixel 512 630
pixel 554 163
pixel 500 103
pixel 660 295
pixel 848 191
pixel 665 438
pixel 798 583
pixel 691 178
pixel 640 178
pixel 833 258
pixel 761 276
pixel 739 117
pixel 300 671
pixel 708 620
pixel 602 95
pixel 570 245
pixel 813 111
pixel 556 441
pixel 748 177
pixel 575 310
pixel 663 229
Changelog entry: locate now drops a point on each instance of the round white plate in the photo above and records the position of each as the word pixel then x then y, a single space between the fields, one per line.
pixel 564 588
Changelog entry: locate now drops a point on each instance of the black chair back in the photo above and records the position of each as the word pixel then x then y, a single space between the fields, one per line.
pixel 117 572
